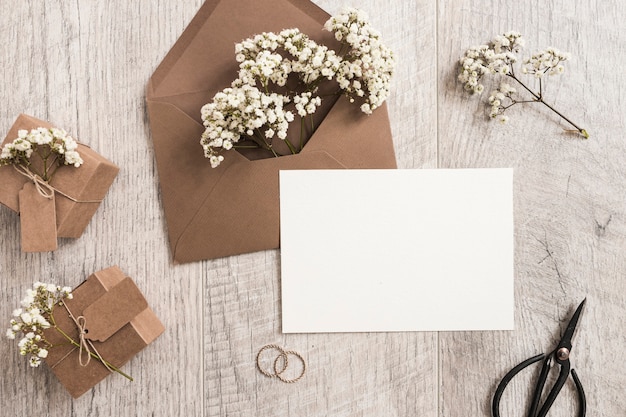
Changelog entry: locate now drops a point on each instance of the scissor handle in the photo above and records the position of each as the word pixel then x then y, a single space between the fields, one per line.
pixel 556 388
pixel 495 406
pixel 582 400
pixel 565 370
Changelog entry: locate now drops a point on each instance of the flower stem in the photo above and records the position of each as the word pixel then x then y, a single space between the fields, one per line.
pixel 50 172
pixel 539 99
pixel 258 138
pixel 291 147
pixel 93 355
pixel 301 133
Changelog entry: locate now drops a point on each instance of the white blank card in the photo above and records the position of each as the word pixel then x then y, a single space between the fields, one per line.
pixel 396 250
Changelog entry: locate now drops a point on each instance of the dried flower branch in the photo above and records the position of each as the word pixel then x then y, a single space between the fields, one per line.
pixel 498 58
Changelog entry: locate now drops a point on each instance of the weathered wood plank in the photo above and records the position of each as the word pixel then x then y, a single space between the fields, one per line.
pixel 374 374
pixel 570 232
pixel 84 67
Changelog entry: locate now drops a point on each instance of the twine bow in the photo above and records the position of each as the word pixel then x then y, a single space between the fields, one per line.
pixel 81 322
pixel 85 345
pixel 44 188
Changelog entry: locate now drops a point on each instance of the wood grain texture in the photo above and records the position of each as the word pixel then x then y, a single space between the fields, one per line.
pixel 83 65
pixel 570 195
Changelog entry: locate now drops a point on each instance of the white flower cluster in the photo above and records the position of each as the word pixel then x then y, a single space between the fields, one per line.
pixel 32 319
pixel 239 111
pixel 306 104
pixel 497 57
pixel 249 109
pixel 260 59
pixel 57 140
pixel 501 99
pixel 366 69
pixel 545 62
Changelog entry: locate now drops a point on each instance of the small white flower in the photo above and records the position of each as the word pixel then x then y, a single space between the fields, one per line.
pixel 10 334
pixel 28 301
pixel 43 353
pixel 22 145
pixel 215 160
pixel 26 318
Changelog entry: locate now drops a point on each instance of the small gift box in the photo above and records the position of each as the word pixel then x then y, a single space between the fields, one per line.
pixel 60 207
pixel 110 321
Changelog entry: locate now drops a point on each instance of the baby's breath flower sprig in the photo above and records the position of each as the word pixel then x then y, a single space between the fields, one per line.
pixel 279 78
pixel 498 58
pixel 367 65
pixel 54 146
pixel 34 316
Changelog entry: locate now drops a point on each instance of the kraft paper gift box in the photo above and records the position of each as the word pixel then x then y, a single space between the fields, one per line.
pixel 118 324
pixel 234 208
pixel 78 196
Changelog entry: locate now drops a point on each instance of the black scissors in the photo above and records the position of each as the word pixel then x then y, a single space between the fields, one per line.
pixel 561 357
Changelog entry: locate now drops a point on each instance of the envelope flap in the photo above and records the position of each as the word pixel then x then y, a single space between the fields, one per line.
pixel 113 310
pixel 193 66
pixel 241 212
pixel 357 140
pixel 181 45
pixel 185 175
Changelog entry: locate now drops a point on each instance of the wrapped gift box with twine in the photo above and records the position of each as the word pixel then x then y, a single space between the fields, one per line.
pixel 109 322
pixel 60 207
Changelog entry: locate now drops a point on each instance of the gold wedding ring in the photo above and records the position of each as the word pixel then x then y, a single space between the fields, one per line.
pixel 280 364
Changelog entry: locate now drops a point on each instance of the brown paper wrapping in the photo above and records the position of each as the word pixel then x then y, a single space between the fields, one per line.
pixel 87 184
pixel 119 323
pixel 38 222
pixel 233 209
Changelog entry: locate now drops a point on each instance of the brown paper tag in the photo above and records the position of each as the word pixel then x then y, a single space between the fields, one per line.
pixel 37 220
pixel 113 310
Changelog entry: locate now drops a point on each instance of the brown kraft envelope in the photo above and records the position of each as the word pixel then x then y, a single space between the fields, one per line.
pixel 86 184
pixel 118 323
pixel 234 209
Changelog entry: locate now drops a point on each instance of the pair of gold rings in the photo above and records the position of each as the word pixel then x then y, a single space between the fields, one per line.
pixel 279 364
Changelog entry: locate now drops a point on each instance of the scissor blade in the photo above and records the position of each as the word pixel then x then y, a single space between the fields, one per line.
pixel 566 340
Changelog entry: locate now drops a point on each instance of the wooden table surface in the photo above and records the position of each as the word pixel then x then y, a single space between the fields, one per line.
pixel 84 65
